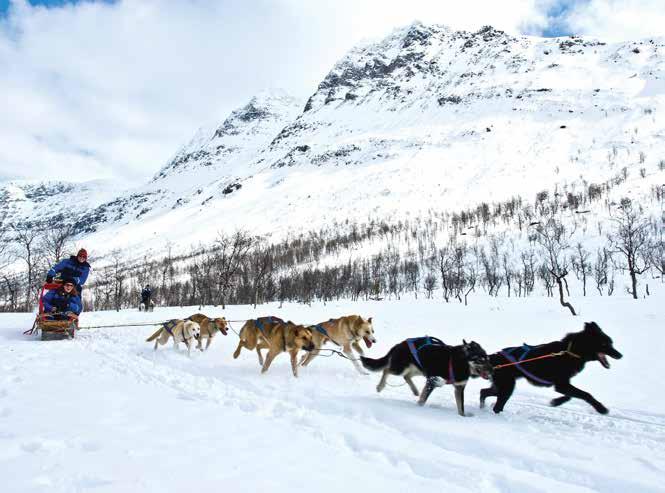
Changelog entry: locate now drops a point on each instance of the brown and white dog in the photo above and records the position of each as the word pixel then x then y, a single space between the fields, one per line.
pixel 346 332
pixel 209 327
pixel 180 330
pixel 249 334
pixel 277 337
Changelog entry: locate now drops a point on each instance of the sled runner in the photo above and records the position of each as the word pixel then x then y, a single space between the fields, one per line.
pixel 53 325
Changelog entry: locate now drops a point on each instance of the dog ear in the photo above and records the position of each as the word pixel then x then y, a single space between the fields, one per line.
pixel 464 342
pixel 590 327
pixel 369 319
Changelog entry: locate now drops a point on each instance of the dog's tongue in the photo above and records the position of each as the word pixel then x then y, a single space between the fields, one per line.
pixel 603 360
pixel 485 375
pixel 368 342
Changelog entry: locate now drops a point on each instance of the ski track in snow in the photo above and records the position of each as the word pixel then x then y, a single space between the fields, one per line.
pixel 105 413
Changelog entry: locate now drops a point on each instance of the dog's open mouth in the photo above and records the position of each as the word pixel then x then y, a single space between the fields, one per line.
pixel 603 360
pixel 484 375
pixel 224 331
pixel 368 342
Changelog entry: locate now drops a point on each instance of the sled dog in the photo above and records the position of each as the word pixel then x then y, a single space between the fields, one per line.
pixel 568 358
pixel 346 332
pixel 209 327
pixel 149 308
pixel 179 330
pixel 279 338
pixel 250 332
pixel 435 360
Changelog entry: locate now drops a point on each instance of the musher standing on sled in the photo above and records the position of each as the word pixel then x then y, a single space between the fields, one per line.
pixel 75 268
pixel 146 294
pixel 62 302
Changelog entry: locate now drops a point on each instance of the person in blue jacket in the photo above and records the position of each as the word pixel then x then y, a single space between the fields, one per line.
pixel 62 302
pixel 75 267
pixel 146 294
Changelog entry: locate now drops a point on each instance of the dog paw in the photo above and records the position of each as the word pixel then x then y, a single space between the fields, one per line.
pixel 557 401
pixel 436 381
pixel 602 409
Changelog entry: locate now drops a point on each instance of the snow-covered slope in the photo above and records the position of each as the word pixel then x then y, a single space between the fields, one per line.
pixel 104 412
pixel 224 150
pixel 425 119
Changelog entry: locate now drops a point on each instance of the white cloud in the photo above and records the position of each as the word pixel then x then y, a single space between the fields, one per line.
pixel 619 20
pixel 112 90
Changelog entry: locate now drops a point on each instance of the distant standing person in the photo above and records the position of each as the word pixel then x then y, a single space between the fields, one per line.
pixel 75 267
pixel 146 294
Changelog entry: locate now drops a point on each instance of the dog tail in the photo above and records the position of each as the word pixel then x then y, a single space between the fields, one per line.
pixel 375 364
pixel 154 336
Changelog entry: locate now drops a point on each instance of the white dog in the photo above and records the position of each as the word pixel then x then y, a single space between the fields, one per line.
pixel 181 331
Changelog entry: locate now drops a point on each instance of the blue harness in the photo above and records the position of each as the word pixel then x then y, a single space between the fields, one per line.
pixel 429 341
pixel 507 353
pixel 260 324
pixel 322 330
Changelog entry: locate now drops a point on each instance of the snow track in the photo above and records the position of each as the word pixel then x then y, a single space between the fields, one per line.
pixel 106 413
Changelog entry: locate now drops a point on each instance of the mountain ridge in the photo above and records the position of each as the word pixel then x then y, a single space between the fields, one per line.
pixel 426 117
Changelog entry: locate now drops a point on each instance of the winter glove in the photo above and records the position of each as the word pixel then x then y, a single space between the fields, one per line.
pixel 49 279
pixel 53 309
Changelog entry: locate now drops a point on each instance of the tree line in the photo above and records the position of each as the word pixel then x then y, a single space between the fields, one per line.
pixel 509 248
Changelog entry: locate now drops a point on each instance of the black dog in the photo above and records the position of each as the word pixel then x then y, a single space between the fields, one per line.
pixel 430 357
pixel 571 354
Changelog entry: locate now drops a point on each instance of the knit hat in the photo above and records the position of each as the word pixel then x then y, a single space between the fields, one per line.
pixel 82 253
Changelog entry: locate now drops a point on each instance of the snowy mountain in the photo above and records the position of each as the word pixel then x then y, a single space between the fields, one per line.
pixel 425 119
pixel 52 202
pixel 217 151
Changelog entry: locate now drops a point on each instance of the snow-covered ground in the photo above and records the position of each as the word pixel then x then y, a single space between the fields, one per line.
pixel 105 413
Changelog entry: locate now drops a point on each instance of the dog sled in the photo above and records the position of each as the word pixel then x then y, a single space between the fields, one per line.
pixel 54 325
pixel 147 307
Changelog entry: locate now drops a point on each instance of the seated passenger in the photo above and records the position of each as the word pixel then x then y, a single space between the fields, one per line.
pixel 63 302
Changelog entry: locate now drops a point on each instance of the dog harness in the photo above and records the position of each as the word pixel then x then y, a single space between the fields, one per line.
pixel 322 330
pixel 170 325
pixel 430 341
pixel 262 327
pixel 507 353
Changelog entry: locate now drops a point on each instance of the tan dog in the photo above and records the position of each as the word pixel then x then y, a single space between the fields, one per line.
pixel 346 332
pixel 181 331
pixel 209 327
pixel 286 337
pixel 277 336
pixel 249 335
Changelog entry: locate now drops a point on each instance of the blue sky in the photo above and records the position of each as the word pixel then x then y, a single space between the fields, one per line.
pixel 557 24
pixel 4 4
